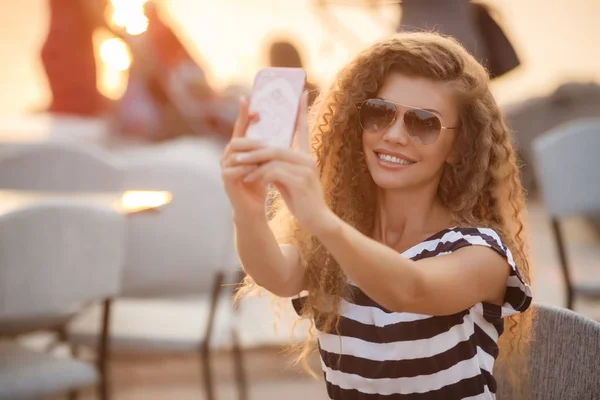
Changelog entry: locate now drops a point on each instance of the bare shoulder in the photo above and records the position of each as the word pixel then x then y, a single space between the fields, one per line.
pixel 488 266
pixel 481 254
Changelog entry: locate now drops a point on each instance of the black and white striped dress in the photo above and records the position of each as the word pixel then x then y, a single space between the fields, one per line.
pixel 396 356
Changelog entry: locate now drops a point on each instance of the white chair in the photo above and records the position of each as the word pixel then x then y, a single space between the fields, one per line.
pixel 187 249
pixel 55 256
pixel 57 167
pixel 568 169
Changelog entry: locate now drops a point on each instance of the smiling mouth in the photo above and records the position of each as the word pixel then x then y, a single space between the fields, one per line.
pixel 389 159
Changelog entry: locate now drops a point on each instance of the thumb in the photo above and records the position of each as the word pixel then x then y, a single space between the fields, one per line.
pixel 242 120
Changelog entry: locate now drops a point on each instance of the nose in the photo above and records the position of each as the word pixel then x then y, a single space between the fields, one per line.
pixel 396 133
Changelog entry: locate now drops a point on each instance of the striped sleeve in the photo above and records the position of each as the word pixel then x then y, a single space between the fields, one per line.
pixel 518 294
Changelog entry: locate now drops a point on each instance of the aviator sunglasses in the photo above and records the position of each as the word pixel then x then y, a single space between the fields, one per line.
pixel 377 115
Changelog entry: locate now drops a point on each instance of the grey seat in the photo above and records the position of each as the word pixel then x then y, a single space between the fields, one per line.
pixel 185 250
pixel 54 167
pixel 568 169
pixel 564 361
pixel 25 374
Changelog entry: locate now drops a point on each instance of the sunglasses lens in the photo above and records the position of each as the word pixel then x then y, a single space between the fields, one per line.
pixel 376 115
pixel 423 126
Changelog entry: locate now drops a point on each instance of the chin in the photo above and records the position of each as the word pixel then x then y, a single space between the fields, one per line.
pixel 389 184
pixel 390 181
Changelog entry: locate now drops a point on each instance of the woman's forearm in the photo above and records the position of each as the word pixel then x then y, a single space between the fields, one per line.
pixel 270 265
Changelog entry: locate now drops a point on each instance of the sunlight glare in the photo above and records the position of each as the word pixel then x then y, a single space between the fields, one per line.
pixel 115 54
pixel 129 14
pixel 140 200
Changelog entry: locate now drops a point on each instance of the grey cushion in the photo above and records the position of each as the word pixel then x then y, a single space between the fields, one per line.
pixel 56 255
pixel 26 374
pixel 565 357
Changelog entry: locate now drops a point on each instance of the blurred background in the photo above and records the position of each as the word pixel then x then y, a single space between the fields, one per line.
pixel 113 116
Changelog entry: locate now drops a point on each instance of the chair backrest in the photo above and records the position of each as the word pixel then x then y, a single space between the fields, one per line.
pixel 178 250
pixel 568 167
pixel 57 255
pixel 565 357
pixel 57 167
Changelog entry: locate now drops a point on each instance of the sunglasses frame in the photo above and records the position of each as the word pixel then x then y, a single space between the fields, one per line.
pixel 361 103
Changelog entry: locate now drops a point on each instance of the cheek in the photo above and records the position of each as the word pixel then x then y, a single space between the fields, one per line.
pixel 434 160
pixel 368 143
pixel 367 140
pixel 440 152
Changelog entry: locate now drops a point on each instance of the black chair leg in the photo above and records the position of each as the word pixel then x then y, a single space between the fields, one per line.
pixel 240 371
pixel 205 351
pixel 562 256
pixel 103 352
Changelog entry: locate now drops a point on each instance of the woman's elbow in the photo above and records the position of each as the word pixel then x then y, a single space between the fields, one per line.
pixel 408 299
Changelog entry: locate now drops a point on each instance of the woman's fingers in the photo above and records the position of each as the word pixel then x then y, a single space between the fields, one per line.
pixel 244 144
pixel 238 142
pixel 237 172
pixel 239 146
pixel 275 171
pixel 267 154
pixel 242 120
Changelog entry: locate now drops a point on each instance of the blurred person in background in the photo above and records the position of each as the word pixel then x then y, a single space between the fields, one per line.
pixel 471 23
pixel 283 53
pixel 68 57
pixel 402 237
pixel 168 94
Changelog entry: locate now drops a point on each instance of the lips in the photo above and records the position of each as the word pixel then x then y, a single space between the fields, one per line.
pixel 390 159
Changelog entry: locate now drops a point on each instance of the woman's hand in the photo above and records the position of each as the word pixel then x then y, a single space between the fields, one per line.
pixel 247 198
pixel 295 175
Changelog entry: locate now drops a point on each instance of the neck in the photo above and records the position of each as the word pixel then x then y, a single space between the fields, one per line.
pixel 409 213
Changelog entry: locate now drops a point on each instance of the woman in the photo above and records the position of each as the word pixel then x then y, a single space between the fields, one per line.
pixel 406 233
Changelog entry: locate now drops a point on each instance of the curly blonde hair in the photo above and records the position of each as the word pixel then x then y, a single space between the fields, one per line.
pixel 481 186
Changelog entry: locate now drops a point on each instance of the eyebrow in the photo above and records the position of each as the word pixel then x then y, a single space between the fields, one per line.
pixel 418 108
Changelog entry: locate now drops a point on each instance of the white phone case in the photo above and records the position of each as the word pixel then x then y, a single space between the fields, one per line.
pixel 275 97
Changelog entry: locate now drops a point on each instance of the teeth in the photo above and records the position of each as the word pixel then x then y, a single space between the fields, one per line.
pixel 393 159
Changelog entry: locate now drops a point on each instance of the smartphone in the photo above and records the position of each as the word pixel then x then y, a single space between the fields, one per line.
pixel 275 97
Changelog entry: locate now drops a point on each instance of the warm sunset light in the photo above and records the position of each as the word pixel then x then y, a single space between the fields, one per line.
pixel 115 54
pixel 129 14
pixel 140 200
pixel 126 15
